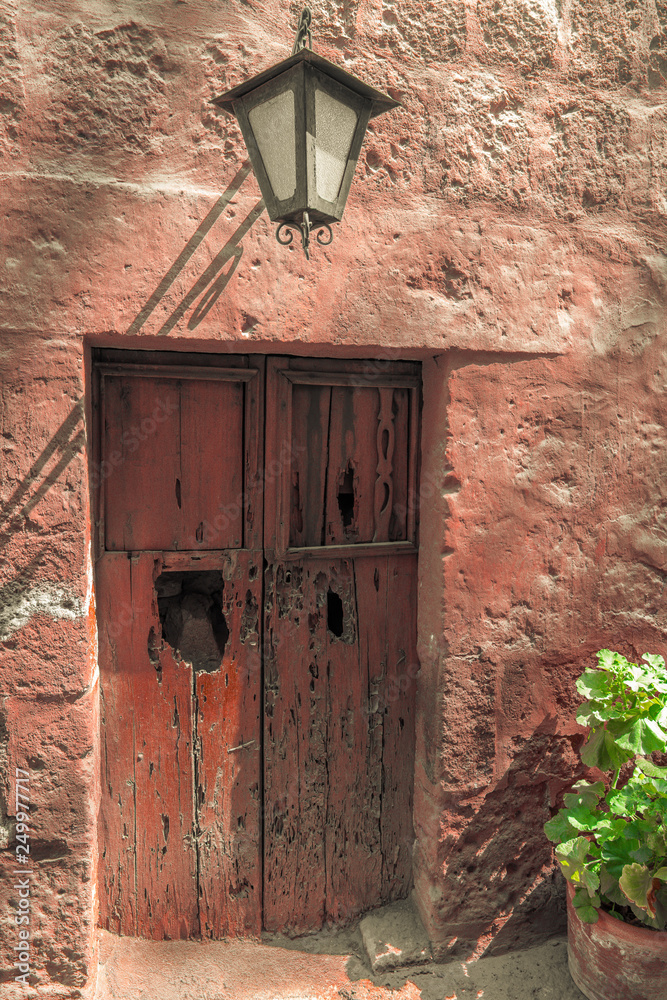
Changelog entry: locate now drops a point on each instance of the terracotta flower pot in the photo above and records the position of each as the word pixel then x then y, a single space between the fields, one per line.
pixel 611 960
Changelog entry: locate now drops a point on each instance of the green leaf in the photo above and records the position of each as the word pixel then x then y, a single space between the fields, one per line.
pixel 639 736
pixel 643 855
pixel 593 685
pixel 648 767
pixel 609 887
pixel 588 914
pixel 636 882
pixel 616 854
pixel 657 662
pixel 601 750
pixel 590 712
pixel 575 849
pixel 572 855
pixel 624 802
pixel 584 794
pixel 583 819
pixel 582 898
pixel 661 874
pixel 558 829
pixel 608 829
pixel 607 660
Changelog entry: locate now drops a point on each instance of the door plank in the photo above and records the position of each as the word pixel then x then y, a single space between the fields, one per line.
pixel 211 453
pixel 295 753
pixel 352 832
pixel 398 524
pixel 227 762
pixel 309 446
pixel 352 451
pixel 386 589
pixel 149 860
pixel 141 422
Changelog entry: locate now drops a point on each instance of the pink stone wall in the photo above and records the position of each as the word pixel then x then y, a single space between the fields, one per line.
pixel 507 227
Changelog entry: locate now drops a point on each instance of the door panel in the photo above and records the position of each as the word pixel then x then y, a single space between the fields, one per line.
pixel 339 738
pixel 340 588
pixel 180 811
pixel 173 465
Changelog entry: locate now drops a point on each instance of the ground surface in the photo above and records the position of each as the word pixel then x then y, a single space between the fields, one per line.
pixel 321 967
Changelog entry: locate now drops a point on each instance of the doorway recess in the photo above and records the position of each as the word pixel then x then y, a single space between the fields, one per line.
pixel 256 535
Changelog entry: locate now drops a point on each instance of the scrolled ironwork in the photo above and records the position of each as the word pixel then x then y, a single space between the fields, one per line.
pixel 324 243
pixel 304 228
pixel 286 226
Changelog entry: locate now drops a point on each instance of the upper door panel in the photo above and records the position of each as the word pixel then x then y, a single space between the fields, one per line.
pixel 346 433
pixel 178 468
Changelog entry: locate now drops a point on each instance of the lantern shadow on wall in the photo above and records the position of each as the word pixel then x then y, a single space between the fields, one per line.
pixel 303 122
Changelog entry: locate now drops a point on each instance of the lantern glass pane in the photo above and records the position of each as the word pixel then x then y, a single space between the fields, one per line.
pixel 335 124
pixel 272 123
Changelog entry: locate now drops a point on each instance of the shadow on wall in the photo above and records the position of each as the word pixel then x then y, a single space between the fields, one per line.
pixel 501 848
pixel 214 280
pixel 19 598
pixel 11 511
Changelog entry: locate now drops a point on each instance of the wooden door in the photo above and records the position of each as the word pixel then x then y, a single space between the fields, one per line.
pixel 179 590
pixel 257 726
pixel 340 631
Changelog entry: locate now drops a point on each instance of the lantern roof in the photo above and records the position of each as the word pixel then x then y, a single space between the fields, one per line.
pixel 381 102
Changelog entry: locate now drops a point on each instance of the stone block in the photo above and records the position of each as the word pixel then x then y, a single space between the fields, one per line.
pixel 394 936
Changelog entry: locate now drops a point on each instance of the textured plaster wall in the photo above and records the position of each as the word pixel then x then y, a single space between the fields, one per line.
pixel 507 226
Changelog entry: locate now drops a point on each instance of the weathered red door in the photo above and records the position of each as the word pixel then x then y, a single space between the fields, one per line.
pixel 340 628
pixel 241 790
pixel 178 587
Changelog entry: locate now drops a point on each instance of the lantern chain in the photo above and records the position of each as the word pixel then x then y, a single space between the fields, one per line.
pixel 303 35
pixel 305 228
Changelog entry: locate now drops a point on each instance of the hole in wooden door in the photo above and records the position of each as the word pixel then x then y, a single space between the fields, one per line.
pixel 346 496
pixel 334 613
pixel 190 608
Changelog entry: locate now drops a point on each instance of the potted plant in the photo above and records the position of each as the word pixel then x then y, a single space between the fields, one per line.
pixel 612 834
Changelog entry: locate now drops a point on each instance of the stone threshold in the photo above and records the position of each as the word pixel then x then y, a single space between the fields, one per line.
pixel 324 966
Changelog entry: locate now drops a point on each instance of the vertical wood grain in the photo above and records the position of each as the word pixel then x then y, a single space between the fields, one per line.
pixel 173 463
pixel 211 461
pixel 352 444
pixel 309 439
pixel 295 752
pixel 339 739
pixel 149 863
pixel 228 761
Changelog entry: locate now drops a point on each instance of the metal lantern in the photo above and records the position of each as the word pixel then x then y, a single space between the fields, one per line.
pixel 303 122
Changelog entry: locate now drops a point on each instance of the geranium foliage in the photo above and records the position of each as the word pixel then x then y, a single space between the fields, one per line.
pixel 612 842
